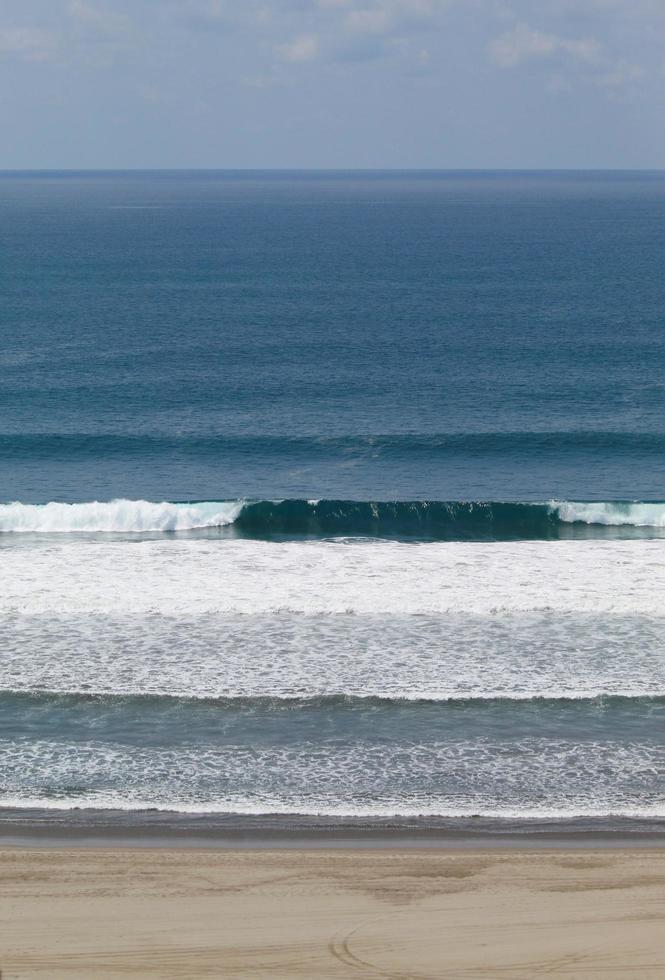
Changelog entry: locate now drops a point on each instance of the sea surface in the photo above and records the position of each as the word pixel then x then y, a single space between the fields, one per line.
pixel 335 494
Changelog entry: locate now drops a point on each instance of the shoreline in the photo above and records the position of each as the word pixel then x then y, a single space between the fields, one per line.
pixel 174 830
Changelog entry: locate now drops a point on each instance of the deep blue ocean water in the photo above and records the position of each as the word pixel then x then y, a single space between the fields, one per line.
pixel 376 336
pixel 388 457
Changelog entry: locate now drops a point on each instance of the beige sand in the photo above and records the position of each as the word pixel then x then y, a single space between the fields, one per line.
pixel 350 913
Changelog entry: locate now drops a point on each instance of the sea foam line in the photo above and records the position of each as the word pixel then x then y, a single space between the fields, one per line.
pixel 116 801
pixel 29 697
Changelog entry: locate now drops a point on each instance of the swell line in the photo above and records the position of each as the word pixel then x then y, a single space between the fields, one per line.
pixel 48 445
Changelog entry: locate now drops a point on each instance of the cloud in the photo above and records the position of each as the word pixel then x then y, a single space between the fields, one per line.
pixel 610 43
pixel 80 30
pixel 27 44
pixel 302 48
pixel 524 44
pixel 206 15
pixel 373 30
pixel 359 49
pixel 388 16
pixel 340 30
pixel 98 19
pixel 375 20
pixel 620 76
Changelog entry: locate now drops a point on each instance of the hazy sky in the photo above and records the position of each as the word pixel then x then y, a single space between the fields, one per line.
pixel 332 83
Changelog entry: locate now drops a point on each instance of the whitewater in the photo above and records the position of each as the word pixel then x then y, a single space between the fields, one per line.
pixel 185 577
pixel 132 516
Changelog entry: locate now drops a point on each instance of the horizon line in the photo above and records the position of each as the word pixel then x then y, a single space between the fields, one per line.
pixel 387 170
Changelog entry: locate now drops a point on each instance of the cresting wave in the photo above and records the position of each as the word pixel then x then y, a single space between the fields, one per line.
pixel 115 516
pixel 425 520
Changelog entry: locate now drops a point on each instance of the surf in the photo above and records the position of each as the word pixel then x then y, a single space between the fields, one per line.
pixel 432 520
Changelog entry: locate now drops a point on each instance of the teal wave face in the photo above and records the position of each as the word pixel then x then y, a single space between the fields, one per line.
pixel 435 520
pixel 427 520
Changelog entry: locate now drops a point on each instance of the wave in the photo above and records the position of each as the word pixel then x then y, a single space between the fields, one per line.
pixel 35 698
pixel 615 514
pixel 423 519
pixel 115 516
pixel 77 802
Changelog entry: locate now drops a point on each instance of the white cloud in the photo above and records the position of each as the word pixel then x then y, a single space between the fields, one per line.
pixel 303 48
pixel 98 19
pixel 89 34
pixel 387 16
pixel 620 76
pixel 524 44
pixel 27 44
pixel 206 15
pixel 214 8
pixel 375 20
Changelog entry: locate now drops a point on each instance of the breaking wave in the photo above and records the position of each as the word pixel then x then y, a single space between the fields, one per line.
pixel 425 519
pixel 615 514
pixel 115 516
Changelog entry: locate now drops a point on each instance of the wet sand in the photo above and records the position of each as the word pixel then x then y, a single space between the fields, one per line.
pixel 288 913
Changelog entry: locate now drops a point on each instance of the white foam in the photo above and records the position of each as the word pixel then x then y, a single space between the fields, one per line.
pixel 167 577
pixel 296 656
pixel 133 803
pixel 610 514
pixel 115 516
pixel 527 777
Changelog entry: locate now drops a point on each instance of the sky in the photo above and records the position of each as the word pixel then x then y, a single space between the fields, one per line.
pixel 332 83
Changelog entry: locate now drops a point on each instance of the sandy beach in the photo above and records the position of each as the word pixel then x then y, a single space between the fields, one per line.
pixel 392 913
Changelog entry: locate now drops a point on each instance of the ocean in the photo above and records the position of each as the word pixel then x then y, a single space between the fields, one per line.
pixel 333 494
